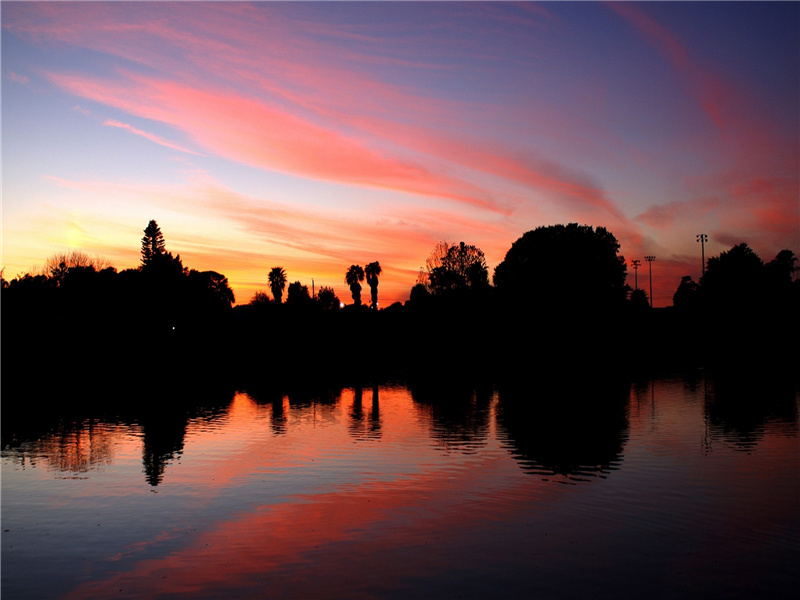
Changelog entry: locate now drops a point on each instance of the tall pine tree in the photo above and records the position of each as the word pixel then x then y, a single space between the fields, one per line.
pixel 153 245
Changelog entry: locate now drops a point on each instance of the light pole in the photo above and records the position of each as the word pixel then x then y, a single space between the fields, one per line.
pixel 703 238
pixel 635 264
pixel 650 259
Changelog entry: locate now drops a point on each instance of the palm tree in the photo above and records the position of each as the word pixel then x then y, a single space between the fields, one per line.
pixel 372 271
pixel 277 282
pixel 354 275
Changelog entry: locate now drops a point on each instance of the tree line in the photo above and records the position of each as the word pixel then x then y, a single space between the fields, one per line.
pixel 559 295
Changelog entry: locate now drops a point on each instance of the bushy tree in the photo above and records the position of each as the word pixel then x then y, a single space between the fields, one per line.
pixel 297 295
pixel 563 268
pixel 738 280
pixel 59 264
pixel 687 295
pixel 328 299
pixel 734 280
pixel 259 299
pixel 213 285
pixel 452 267
pixel 781 277
pixel 639 301
pixel 781 269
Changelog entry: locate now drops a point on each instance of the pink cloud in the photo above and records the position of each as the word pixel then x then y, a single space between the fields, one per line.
pixel 17 77
pixel 709 90
pixel 664 216
pixel 263 135
pixel 342 117
pixel 562 186
pixel 149 136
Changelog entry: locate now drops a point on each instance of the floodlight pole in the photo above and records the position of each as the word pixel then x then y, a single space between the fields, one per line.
pixel 635 264
pixel 703 238
pixel 650 259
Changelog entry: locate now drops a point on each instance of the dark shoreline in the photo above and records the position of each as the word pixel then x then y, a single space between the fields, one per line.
pixel 283 350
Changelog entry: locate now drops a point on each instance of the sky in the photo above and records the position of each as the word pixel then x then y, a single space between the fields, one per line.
pixel 314 136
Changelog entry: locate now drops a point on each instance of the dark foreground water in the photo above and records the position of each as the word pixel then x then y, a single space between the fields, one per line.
pixel 677 487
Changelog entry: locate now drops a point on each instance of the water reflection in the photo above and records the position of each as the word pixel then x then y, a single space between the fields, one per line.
pixel 84 436
pixel 564 430
pixel 71 448
pixel 441 488
pixel 163 433
pixel 365 424
pixel 457 415
pixel 739 406
pixel 284 402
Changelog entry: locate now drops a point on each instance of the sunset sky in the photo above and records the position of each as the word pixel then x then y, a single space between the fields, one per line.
pixel 314 136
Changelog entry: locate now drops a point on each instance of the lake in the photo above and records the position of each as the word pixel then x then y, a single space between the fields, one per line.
pixel 674 486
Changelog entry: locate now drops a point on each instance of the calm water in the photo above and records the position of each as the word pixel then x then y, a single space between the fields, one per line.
pixel 672 488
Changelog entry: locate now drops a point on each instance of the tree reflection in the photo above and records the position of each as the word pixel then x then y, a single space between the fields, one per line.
pixel 274 398
pixel 163 433
pixel 458 413
pixel 739 405
pixel 295 400
pixel 166 417
pixel 363 425
pixel 83 434
pixel 565 431
pixel 71 447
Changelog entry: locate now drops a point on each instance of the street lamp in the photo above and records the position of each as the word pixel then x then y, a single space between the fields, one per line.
pixel 650 259
pixel 703 238
pixel 635 264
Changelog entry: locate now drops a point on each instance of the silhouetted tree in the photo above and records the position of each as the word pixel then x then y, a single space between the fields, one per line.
pixel 638 300
pixel 259 299
pixel 277 283
pixel 453 267
pixel 153 244
pixel 297 295
pixel 734 280
pixel 353 278
pixel 420 295
pixel 327 298
pixel 686 296
pixel 780 277
pixel 372 272
pixel 563 267
pixel 214 284
pixel 57 265
pixel 782 267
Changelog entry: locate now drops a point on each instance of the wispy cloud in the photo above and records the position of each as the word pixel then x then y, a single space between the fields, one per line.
pixel 710 91
pixel 148 136
pixel 13 76
pixel 326 113
pixel 256 133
